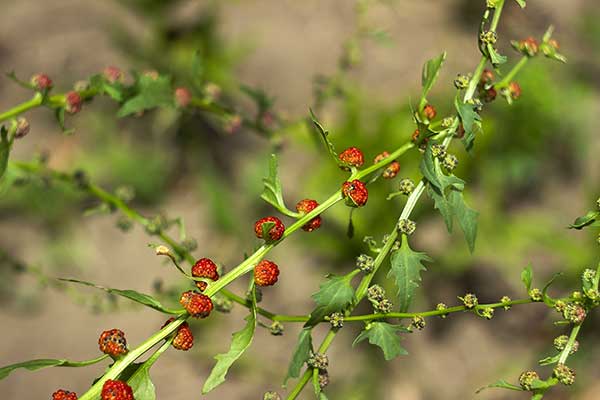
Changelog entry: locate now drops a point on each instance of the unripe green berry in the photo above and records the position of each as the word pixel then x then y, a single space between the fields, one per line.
pixel 564 374
pixel 406 186
pixel 365 263
pixel 527 378
pixel 505 300
pixel 536 294
pixel 418 322
pixel 406 226
pixel 469 300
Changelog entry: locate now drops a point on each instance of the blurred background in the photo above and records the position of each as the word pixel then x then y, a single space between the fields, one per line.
pixel 358 64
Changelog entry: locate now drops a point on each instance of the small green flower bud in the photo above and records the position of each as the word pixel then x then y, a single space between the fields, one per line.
pixel 450 162
pixel 560 305
pixel 336 320
pixel 440 307
pixel 564 374
pixel 588 275
pixel 418 322
pixel 384 306
pixel 125 193
pixel 488 37
pixel 487 313
pixel 461 81
pixel 406 186
pixel 560 343
pixel 469 300
pixel 406 226
pixel 526 379
pixel 438 151
pixel 365 263
pixel 375 294
pixel 574 313
pixel 124 223
pixel 536 294
pixel 81 86
pixel 505 300
pixel 271 396
pixel 591 294
pixel 222 304
pixel 447 122
pixel 319 361
pixel 276 328
pixel 491 4
pixel 577 296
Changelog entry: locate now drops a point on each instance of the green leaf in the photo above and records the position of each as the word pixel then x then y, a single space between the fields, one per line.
pixel 5 145
pixel 241 340
pixel 385 336
pixel 335 294
pixel 467 217
pixel 444 207
pixel 549 360
pixel 585 220
pixel 141 383
pixel 272 192
pixel 547 299
pixel 521 3
pixel 406 268
pixel 431 70
pixel 501 384
pixel 325 135
pixel 470 119
pixel 527 277
pixel 432 171
pixel 141 298
pixel 150 92
pixel 34 365
pixel 495 57
pixel 300 355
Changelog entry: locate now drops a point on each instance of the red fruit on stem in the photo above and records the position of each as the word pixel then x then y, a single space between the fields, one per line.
pixel 73 102
pixel 62 394
pixel 355 193
pixel 429 112
pixel 391 170
pixel 113 343
pixel 116 390
pixel 205 268
pixel 305 206
pixel 113 74
pixel 41 82
pixel 196 304
pixel 183 97
pixel 266 273
pixel 352 157
pixel 184 339
pixel 275 233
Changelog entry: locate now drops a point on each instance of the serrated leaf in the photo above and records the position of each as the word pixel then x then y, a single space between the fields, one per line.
pixel 501 384
pixel 585 220
pixel 335 294
pixel 467 217
pixel 406 267
pixel 138 297
pixel 273 192
pixel 527 277
pixel 241 340
pixel 301 353
pixel 385 336
pixel 150 92
pixel 325 136
pixel 432 171
pixel 34 365
pixel 431 70
pixel 521 3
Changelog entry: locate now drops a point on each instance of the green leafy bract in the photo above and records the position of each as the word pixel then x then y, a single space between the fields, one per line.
pixel 272 192
pixel 301 353
pixel 585 220
pixel 325 135
pixel 240 341
pixel 33 365
pixel 150 92
pixel 431 70
pixel 138 297
pixel 471 121
pixel 527 277
pixel 501 384
pixel 406 269
pixel 335 294
pixel 385 336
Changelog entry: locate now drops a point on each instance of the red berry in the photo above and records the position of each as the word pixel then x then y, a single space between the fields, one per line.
pixel 113 74
pixel 415 135
pixel 183 97
pixel 113 342
pixel 184 339
pixel 116 390
pixel 64 395
pixel 305 206
pixel 266 273
pixel 205 268
pixel 352 157
pixel 355 193
pixel 275 233
pixel 41 82
pixel 381 156
pixel 515 90
pixel 429 111
pixel 487 77
pixel 391 170
pixel 72 102
pixel 197 304
pixel 529 46
pixel 489 95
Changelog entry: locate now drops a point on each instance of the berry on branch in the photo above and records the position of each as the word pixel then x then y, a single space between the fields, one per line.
pixel 196 304
pixel 352 157
pixel 72 102
pixel 266 273
pixel 275 232
pixel 64 395
pixel 116 390
pixel 183 97
pixel 204 268
pixel 355 193
pixel 41 82
pixel 113 343
pixel 184 339
pixel 304 207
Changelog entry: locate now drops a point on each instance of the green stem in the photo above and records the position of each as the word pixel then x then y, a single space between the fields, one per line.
pixel 511 74
pixel 34 102
pixel 565 353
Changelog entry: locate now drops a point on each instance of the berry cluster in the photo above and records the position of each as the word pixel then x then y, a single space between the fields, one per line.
pixel 113 343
